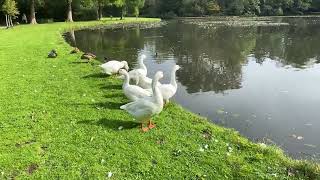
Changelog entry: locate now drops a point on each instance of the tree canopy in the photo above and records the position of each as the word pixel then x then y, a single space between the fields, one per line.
pixel 60 10
pixel 9 7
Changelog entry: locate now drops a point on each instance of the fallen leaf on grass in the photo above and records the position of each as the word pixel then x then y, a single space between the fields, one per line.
pixel 109 174
pixel 32 168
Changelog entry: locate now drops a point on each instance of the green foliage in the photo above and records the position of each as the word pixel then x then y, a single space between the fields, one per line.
pixel 9 7
pixel 230 7
pixel 213 7
pixel 48 9
pixel 85 14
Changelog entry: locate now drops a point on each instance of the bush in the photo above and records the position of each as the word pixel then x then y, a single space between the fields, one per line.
pixel 85 14
pixel 45 20
pixel 169 15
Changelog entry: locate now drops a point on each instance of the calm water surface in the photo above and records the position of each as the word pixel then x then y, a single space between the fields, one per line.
pixel 262 80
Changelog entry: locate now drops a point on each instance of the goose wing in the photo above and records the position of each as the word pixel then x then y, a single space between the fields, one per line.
pixel 167 90
pixel 140 109
pixel 138 91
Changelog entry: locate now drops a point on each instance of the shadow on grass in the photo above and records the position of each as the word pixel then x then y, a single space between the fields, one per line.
pixel 101 105
pixel 108 105
pixel 96 75
pixel 111 86
pixel 113 95
pixel 111 123
pixel 79 62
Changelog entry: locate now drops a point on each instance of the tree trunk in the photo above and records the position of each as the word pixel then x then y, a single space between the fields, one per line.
pixel 122 13
pixel 33 19
pixel 11 24
pixel 7 21
pixel 69 13
pixel 99 11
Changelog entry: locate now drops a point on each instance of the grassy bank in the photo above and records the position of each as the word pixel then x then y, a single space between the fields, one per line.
pixel 60 119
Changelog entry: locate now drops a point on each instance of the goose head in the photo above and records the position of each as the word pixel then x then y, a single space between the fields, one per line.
pixel 176 67
pixel 123 72
pixel 158 76
pixel 142 58
pixel 125 64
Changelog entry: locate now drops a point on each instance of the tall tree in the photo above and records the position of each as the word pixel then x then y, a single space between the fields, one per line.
pixel 135 6
pixel 121 4
pixel 10 9
pixel 69 11
pixel 33 19
pixel 100 4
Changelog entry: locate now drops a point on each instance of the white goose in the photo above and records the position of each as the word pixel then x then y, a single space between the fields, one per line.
pixel 132 92
pixel 145 82
pixel 145 108
pixel 113 67
pixel 169 90
pixel 141 70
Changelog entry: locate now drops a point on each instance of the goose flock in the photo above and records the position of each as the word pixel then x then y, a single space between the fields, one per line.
pixel 147 96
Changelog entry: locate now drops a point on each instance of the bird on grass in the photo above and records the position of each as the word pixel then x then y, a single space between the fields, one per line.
pixel 132 92
pixel 169 90
pixel 145 108
pixel 88 56
pixel 113 67
pixel 140 70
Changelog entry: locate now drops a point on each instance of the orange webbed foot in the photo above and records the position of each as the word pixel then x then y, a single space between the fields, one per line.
pixel 151 125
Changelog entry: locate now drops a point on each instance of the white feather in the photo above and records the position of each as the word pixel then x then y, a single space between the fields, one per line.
pixel 132 92
pixel 169 90
pixel 143 109
pixel 113 67
pixel 141 70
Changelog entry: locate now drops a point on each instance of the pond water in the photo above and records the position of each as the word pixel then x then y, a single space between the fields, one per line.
pixel 259 76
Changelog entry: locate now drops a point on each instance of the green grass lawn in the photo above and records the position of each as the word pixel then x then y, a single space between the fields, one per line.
pixel 59 119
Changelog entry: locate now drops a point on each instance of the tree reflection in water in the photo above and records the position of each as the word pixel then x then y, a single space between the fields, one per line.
pixel 211 58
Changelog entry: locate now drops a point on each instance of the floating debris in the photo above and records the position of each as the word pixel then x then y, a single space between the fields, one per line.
pixel 300 138
pixel 220 111
pixel 235 115
pixel 310 145
pixel 235 22
pixel 120 128
pixel 297 137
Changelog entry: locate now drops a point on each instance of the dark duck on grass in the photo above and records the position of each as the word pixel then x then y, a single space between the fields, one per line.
pixel 52 54
pixel 75 51
pixel 88 56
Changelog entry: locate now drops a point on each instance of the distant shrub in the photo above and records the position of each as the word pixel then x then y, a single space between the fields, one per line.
pixel 85 14
pixel 169 15
pixel 45 20
pixel 278 12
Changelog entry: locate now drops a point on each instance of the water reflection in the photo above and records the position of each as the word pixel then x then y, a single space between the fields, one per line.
pixel 250 72
pixel 213 56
